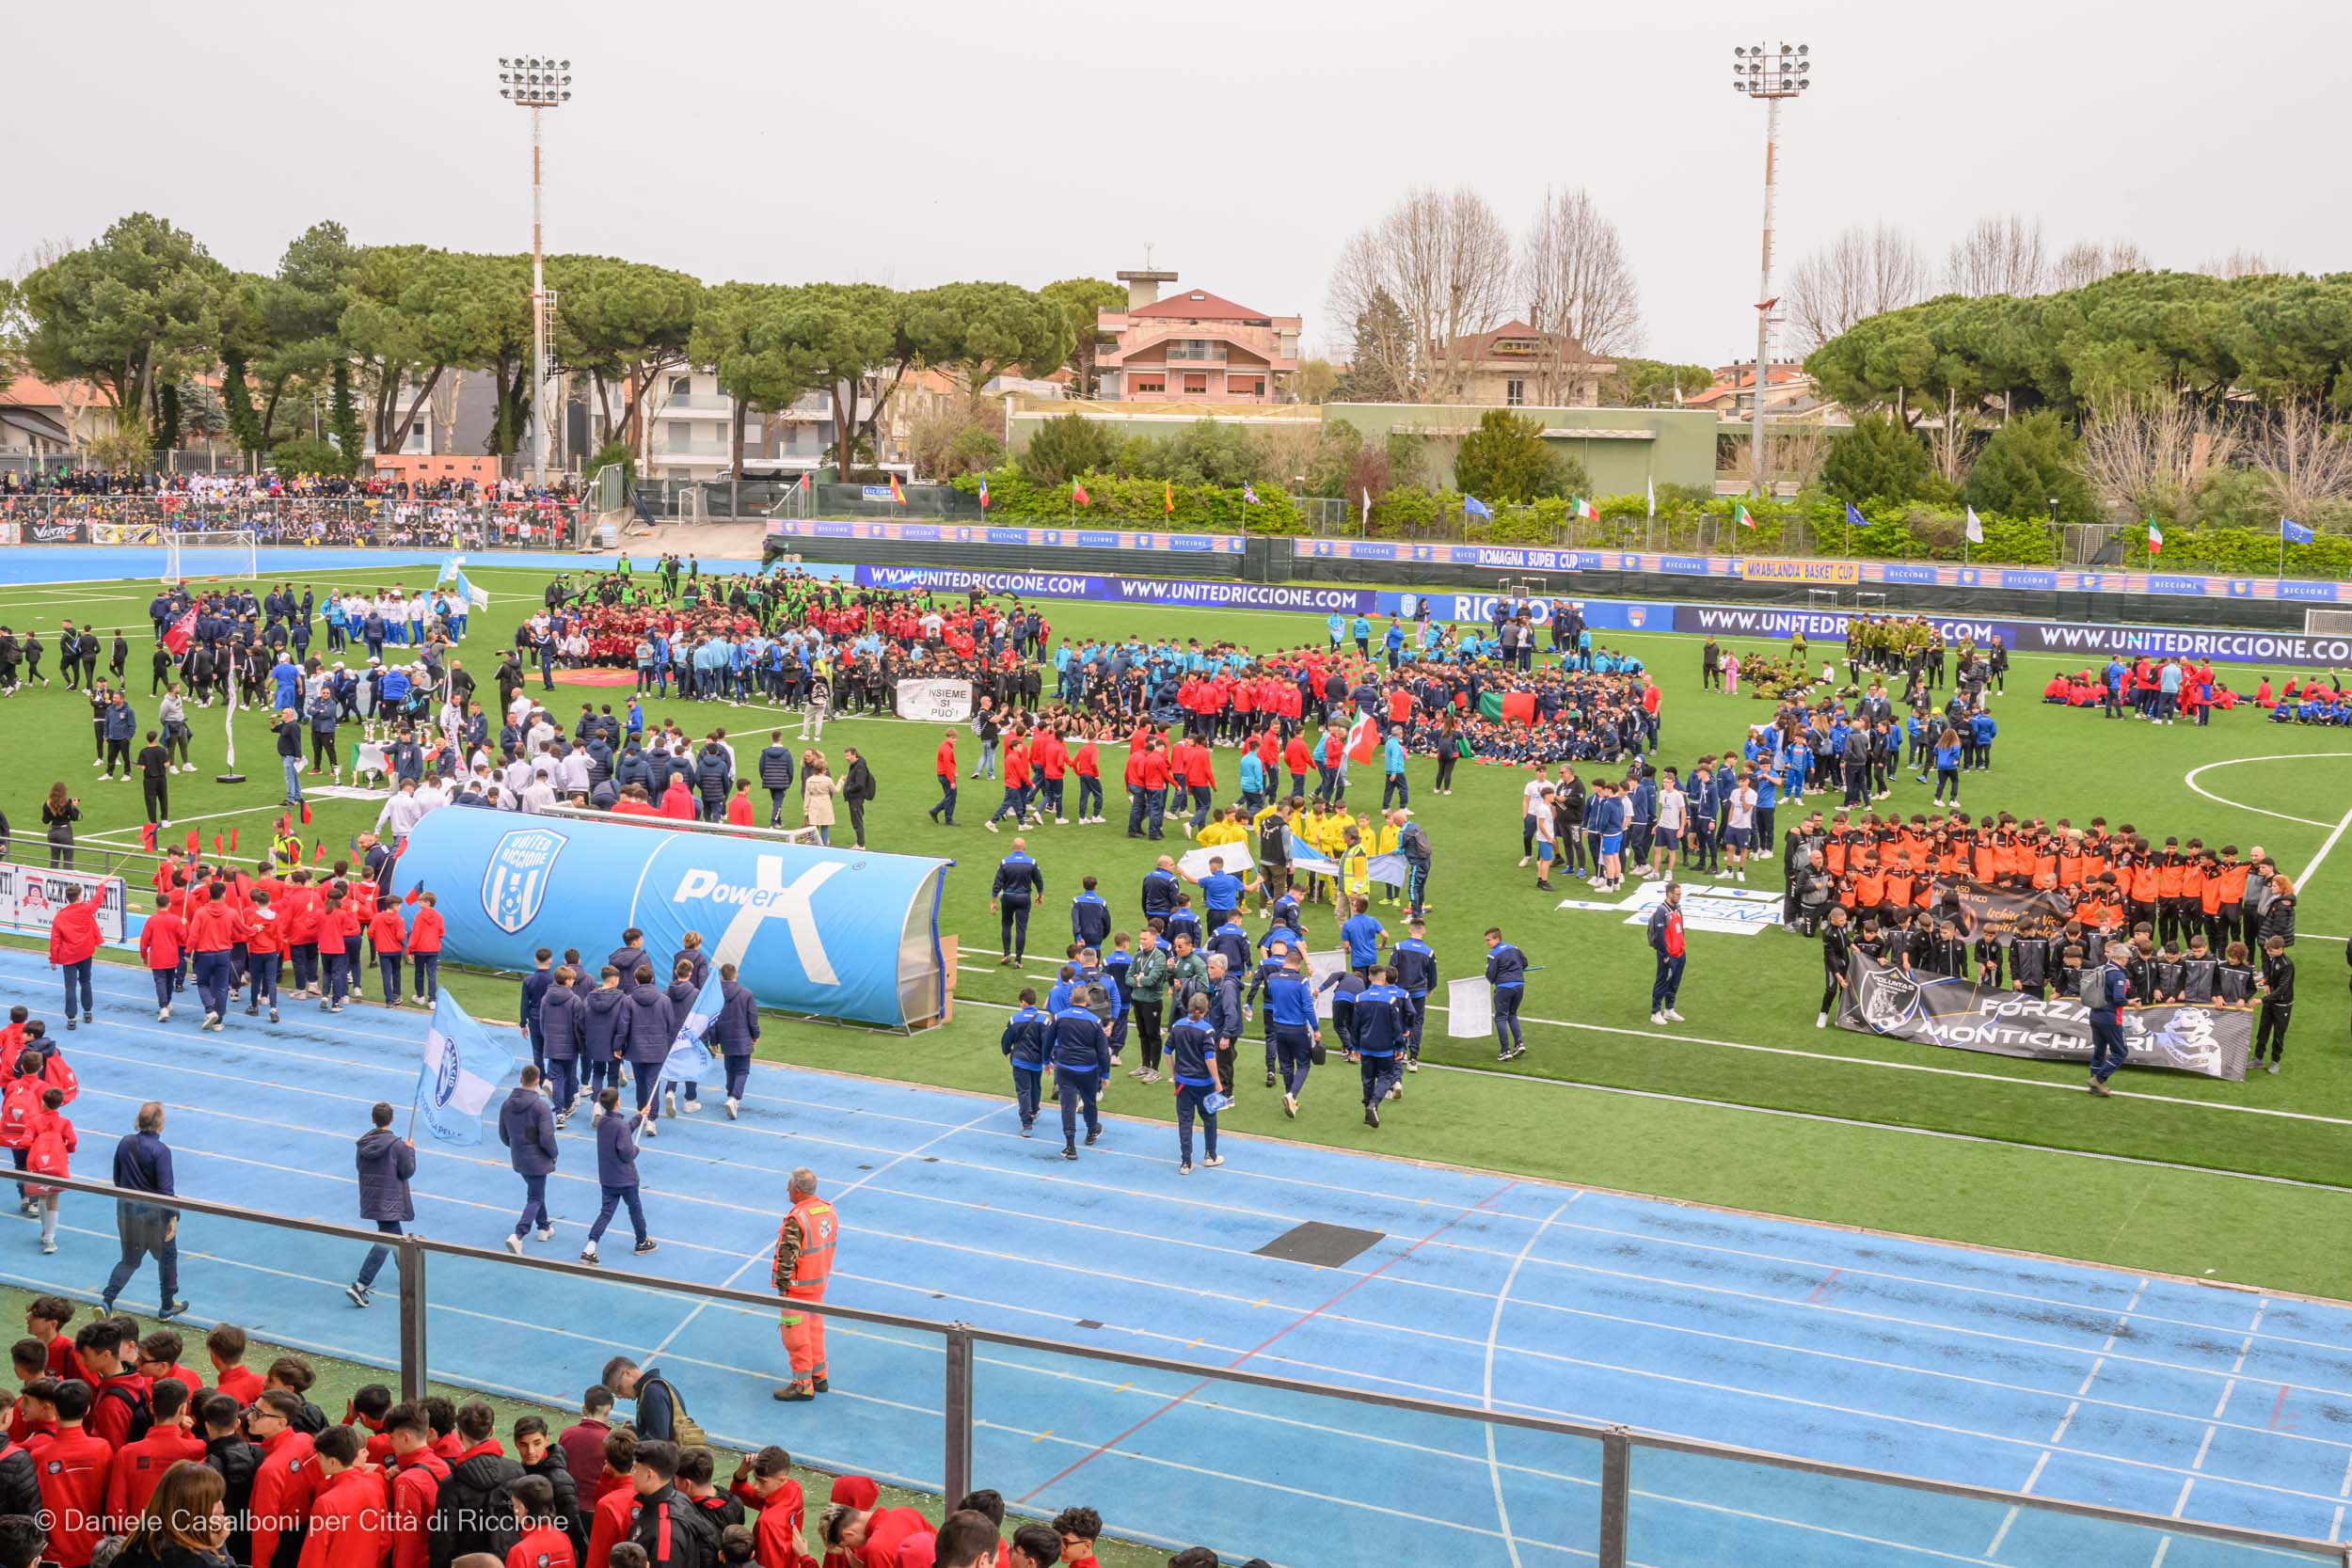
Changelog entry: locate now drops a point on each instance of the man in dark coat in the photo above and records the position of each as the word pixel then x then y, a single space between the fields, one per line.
pixel 386 1161
pixel 527 1128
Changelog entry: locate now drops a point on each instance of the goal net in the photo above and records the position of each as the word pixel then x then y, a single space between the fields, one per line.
pixel 227 552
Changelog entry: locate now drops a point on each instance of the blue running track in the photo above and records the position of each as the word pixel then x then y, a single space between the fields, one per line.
pixel 2163 1397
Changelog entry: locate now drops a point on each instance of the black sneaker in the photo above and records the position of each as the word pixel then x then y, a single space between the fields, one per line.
pixel 1070 1151
pixel 1372 1115
pixel 648 1244
pixel 357 1293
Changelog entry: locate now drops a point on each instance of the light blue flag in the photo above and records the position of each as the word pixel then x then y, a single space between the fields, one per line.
pixel 1306 859
pixel 462 1070
pixel 690 1060
pixel 452 578
pixel 2292 531
pixel 1390 869
pixel 1473 507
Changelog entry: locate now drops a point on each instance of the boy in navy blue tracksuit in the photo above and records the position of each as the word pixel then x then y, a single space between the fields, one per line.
pixel 736 1029
pixel 1413 970
pixel 616 1174
pixel 1025 1042
pixel 1506 973
pixel 527 1128
pixel 1090 919
pixel 1290 1011
pixel 1380 1037
pixel 1018 882
pixel 1082 1067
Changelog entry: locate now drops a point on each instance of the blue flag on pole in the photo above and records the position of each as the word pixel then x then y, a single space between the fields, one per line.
pixel 1473 507
pixel 1854 516
pixel 2292 531
pixel 690 1060
pixel 462 1070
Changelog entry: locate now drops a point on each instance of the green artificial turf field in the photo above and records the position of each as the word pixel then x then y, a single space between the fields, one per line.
pixel 1747 1104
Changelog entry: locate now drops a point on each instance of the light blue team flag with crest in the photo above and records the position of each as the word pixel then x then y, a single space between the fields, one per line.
pixel 690 1060
pixel 462 1070
pixel 454 578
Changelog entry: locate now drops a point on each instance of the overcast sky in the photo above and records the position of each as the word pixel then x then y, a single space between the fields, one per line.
pixel 928 140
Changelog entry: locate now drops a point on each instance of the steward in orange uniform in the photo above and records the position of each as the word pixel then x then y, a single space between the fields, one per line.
pixel 803 1262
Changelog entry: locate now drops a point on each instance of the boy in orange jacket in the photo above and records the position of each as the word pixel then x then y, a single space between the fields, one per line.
pixel 388 935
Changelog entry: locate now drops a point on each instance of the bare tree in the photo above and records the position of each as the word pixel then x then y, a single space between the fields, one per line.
pixel 2303 453
pixel 2088 260
pixel 1579 286
pixel 1998 256
pixel 1860 274
pixel 2240 263
pixel 1442 261
pixel 2148 455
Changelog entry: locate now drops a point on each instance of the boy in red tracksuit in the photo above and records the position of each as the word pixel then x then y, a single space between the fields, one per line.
pixel 264 952
pixel 1088 764
pixel 388 935
pixel 348 1527
pixel 285 1481
pixel 545 1542
pixel 614 1515
pixel 418 1476
pixel 338 940
pixel 764 1484
pixel 45 1321
pixel 137 1466
pixel 424 950
pixel 161 940
pixel 299 912
pixel 73 1467
pixel 72 944
pixel 225 1348
pixel 214 930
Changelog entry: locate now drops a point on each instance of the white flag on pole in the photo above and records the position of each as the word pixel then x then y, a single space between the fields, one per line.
pixel 1976 528
pixel 1367 506
pixel 1650 487
pixel 1470 1009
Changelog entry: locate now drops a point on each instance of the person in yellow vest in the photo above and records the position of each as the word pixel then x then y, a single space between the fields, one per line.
pixel 1355 865
pixel 803 1262
pixel 1384 842
pixel 285 852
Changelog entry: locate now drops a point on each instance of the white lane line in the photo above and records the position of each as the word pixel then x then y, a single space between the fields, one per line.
pixel 754 1255
pixel 1487 1378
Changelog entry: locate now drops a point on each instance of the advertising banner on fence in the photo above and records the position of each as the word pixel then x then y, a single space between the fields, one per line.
pixel 935 702
pixel 29 897
pixel 842 933
pixel 1826 573
pixel 1962 1016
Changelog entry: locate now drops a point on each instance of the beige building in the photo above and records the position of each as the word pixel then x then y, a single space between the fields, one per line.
pixel 1519 366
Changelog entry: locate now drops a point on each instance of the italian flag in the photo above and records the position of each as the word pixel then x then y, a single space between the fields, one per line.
pixel 1077 493
pixel 1740 514
pixel 1585 511
pixel 2156 538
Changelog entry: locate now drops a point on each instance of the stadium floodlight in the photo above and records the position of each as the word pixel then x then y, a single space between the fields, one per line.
pixel 1770 77
pixel 536 83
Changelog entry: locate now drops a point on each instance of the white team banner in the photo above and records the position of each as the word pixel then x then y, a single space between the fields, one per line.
pixel 1321 967
pixel 30 898
pixel 1470 1009
pixel 936 701
pixel 1237 859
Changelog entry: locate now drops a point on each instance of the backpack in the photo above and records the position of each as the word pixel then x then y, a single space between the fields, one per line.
pixel 2091 986
pixel 686 1431
pixel 142 1413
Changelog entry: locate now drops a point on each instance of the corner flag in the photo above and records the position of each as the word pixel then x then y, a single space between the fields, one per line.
pixel 462 1070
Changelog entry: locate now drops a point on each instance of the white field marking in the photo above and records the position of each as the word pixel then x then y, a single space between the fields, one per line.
pixel 2311 870
pixel 2189 778
pixel 1818 1056
pixel 1051 1178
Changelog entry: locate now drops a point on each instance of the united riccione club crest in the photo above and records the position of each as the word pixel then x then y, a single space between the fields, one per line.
pixel 516 881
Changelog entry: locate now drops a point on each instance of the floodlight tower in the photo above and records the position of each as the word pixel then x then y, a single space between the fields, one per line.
pixel 536 83
pixel 1771 76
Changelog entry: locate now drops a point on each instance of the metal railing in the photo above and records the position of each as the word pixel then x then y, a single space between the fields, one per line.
pixel 381 522
pixel 937 1406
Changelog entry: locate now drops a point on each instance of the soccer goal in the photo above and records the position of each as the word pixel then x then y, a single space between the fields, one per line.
pixel 225 552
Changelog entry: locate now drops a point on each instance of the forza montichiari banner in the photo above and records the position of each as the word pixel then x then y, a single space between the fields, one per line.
pixel 1931 1010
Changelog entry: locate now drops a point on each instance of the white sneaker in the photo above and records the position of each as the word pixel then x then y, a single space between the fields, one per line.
pixel 991 825
pixel 162 1015
pixel 1657 1018
pixel 515 1244
pixel 691 1106
pixel 1062 821
pixel 669 1103
pixel 1525 860
pixel 546 1234
pixel 731 1110
pixel 1821 1020
pixel 1673 1017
